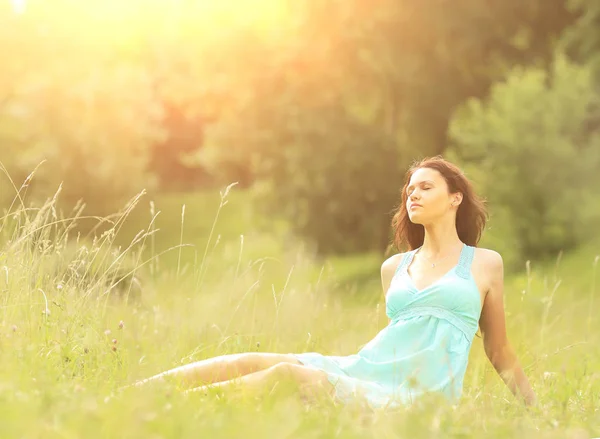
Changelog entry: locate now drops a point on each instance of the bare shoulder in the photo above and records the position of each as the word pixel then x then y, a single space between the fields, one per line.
pixel 391 263
pixel 487 259
pixel 388 269
pixel 488 270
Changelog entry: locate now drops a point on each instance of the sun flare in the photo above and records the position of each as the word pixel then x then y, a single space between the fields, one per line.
pixel 260 14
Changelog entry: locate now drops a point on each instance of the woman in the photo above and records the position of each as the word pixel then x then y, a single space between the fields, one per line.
pixel 436 294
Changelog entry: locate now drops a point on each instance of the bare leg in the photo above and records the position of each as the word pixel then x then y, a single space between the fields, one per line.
pixel 312 383
pixel 222 368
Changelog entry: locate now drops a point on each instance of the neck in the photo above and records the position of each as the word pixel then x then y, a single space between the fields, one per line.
pixel 440 238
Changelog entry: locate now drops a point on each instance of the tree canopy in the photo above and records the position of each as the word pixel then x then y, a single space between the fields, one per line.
pixel 316 107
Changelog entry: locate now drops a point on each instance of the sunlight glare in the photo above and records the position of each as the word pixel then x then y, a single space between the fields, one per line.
pixel 18 6
pixel 106 21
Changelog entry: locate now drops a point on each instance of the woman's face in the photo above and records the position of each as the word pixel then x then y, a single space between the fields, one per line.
pixel 428 198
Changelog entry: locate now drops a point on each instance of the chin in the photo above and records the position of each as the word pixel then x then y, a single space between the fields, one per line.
pixel 415 219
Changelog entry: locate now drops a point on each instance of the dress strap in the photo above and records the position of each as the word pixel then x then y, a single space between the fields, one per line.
pixel 406 260
pixel 463 268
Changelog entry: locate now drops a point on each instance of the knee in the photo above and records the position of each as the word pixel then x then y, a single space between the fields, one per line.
pixel 247 363
pixel 284 371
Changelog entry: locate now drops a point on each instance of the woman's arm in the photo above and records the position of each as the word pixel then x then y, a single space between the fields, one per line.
pixel 493 329
pixel 388 268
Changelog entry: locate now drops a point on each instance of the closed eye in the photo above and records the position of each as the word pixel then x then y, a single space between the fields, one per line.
pixel 411 189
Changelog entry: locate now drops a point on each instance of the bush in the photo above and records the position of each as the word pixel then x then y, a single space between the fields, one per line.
pixel 534 149
pixel 334 178
pixel 93 132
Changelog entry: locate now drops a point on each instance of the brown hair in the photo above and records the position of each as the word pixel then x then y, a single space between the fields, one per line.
pixel 471 216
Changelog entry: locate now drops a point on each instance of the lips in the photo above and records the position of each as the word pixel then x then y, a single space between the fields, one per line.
pixel 415 205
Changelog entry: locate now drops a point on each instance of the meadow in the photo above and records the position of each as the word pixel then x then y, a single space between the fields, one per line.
pixel 159 285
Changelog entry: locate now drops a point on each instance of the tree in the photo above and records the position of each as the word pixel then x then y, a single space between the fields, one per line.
pixel 529 148
pixel 394 68
pixel 90 119
pixel 583 38
pixel 184 135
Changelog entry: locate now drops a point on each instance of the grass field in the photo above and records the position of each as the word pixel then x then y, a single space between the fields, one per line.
pixel 71 333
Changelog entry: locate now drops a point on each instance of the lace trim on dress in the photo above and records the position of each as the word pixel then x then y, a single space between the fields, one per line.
pixel 463 268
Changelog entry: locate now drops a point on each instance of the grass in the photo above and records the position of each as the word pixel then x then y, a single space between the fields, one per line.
pixel 75 325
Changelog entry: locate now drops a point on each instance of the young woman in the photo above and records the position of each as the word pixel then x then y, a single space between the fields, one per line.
pixel 437 294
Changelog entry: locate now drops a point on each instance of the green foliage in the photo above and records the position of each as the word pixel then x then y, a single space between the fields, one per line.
pixel 334 186
pixel 351 94
pixel 534 148
pixel 583 38
pixel 90 119
pixel 322 103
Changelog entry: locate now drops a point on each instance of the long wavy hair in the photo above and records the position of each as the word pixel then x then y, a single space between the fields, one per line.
pixel 471 216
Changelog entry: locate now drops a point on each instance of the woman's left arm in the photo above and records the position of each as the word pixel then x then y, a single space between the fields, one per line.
pixel 493 329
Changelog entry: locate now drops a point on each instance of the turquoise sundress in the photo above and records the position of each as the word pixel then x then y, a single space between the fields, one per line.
pixel 424 348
